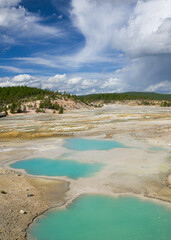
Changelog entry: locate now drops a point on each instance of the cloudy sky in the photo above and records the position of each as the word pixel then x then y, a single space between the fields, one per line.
pixel 86 46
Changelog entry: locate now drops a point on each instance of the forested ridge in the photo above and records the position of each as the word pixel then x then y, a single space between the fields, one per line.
pixel 127 96
pixel 15 99
pixel 11 94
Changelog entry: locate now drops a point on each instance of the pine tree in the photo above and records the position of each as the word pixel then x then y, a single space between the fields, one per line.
pixel 13 108
pixel 5 110
pixel 61 110
pixel 24 108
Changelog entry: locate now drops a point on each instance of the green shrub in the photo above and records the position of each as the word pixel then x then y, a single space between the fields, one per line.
pixel 3 192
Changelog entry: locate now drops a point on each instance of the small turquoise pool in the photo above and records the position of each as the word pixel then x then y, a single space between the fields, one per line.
pixel 80 144
pixel 103 217
pixel 49 167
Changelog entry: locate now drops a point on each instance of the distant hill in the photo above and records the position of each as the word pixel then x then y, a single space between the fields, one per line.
pixel 149 95
pixel 126 96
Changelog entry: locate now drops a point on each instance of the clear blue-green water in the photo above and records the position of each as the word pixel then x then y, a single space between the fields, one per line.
pixel 105 218
pixel 49 167
pixel 80 144
pixel 71 169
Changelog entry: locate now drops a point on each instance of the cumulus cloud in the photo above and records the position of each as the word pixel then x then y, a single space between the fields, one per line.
pixel 148 30
pixel 83 84
pixel 111 82
pixel 140 29
pixel 57 78
pixel 21 79
pixel 75 80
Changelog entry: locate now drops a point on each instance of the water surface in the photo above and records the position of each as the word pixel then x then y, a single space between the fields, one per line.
pixel 80 144
pixel 49 167
pixel 102 217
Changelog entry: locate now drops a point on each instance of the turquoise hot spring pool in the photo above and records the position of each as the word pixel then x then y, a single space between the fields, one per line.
pixel 93 217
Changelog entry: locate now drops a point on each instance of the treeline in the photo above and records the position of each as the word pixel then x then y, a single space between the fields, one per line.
pixel 15 99
pixel 109 97
pixel 14 94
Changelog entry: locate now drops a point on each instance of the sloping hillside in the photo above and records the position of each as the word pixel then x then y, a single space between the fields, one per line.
pixel 22 99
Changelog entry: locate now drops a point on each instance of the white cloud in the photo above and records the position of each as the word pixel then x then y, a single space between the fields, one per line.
pixel 164 86
pixel 23 78
pixel 16 69
pixel 82 84
pixel 17 23
pixel 148 30
pixel 96 20
pixel 142 72
pixel 11 69
pixel 132 34
pixel 140 29
pixel 74 80
pixel 137 30
pixel 111 82
pixel 87 83
pixel 4 82
pixel 58 78
pixel 45 61
pixel 9 3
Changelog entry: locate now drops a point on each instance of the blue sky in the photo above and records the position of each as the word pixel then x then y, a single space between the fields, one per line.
pixel 86 46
